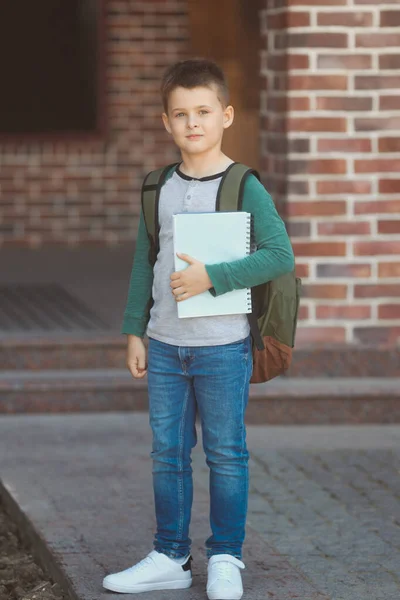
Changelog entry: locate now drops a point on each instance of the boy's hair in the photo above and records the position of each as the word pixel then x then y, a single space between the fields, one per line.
pixel 193 73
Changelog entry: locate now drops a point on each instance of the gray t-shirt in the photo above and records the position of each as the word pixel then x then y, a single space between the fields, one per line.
pixel 178 195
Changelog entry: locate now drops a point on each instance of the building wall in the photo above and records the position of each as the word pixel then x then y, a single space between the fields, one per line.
pixel 82 191
pixel 331 152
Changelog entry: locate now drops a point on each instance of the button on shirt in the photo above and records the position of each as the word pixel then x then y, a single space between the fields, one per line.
pixel 178 195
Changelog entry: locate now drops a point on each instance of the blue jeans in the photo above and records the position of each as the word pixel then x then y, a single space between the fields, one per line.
pixel 213 380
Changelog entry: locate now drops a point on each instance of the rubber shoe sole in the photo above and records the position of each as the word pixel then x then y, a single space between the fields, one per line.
pixel 224 595
pixel 148 587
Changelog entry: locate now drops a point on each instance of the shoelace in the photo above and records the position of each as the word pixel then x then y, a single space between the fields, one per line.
pixel 224 569
pixel 141 565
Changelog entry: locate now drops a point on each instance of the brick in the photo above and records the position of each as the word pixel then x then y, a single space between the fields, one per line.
pixel 389 226
pixel 375 248
pixel 345 19
pixel 283 146
pixel 288 20
pixel 283 103
pixel 389 311
pixel 377 40
pixel 344 61
pixel 377 124
pixel 377 165
pixel 376 82
pixel 345 145
pixel 389 186
pixel 318 124
pixel 299 145
pixel 389 61
pixel 298 229
pixel 317 167
pixel 377 335
pixel 390 18
pixel 319 248
pixel 376 2
pixel 298 103
pixel 311 40
pixel 344 228
pixel 317 82
pixel 297 188
pixel 303 313
pixel 302 270
pixel 337 312
pixel 316 2
pixel 287 62
pixel 319 335
pixel 350 270
pixel 317 208
pixel 343 187
pixel 378 290
pixel 333 290
pixel 389 102
pixel 340 103
pixel 389 144
pixel 372 207
pixel 389 269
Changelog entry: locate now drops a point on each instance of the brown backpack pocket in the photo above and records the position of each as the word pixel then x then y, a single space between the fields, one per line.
pixel 270 362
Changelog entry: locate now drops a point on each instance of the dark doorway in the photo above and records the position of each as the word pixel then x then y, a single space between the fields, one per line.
pixel 49 61
pixel 228 31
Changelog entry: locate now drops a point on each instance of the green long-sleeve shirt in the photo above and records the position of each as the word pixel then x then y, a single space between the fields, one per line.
pixel 272 258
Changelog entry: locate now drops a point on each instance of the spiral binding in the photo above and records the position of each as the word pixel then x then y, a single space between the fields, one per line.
pixel 248 234
pixel 249 239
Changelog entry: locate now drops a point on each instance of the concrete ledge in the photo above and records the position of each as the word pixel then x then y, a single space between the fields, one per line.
pixel 40 549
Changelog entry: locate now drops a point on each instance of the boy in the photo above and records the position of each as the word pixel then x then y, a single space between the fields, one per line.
pixel 202 364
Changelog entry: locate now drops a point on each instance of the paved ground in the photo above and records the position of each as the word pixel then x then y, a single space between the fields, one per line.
pixel 324 512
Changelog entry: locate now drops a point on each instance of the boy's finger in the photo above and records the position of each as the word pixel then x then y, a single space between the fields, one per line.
pixel 186 258
pixel 141 365
pixel 176 283
pixel 141 374
pixel 178 291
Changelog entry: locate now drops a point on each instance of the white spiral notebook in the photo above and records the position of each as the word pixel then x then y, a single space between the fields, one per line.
pixel 213 238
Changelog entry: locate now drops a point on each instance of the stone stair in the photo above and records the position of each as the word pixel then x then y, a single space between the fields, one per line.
pixel 86 373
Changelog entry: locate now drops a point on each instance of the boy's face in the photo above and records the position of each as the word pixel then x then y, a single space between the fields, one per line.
pixel 196 119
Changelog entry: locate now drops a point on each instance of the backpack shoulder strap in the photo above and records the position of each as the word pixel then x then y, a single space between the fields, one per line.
pixel 230 198
pixel 150 197
pixel 230 192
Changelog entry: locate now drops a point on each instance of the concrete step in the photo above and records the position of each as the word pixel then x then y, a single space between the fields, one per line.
pixel 62 351
pixel 107 350
pixel 280 401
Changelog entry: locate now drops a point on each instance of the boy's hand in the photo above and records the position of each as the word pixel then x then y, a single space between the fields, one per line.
pixel 191 281
pixel 136 357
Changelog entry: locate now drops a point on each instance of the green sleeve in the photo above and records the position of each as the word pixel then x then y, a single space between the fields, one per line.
pixel 136 314
pixel 274 254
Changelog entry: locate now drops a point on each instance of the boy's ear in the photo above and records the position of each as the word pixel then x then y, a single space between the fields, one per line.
pixel 229 115
pixel 166 122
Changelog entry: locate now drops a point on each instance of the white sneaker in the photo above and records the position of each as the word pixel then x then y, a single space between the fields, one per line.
pixel 155 572
pixel 224 579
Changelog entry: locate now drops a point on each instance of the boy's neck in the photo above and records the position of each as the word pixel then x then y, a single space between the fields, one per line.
pixel 198 166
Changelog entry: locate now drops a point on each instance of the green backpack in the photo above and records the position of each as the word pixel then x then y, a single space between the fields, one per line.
pixel 275 304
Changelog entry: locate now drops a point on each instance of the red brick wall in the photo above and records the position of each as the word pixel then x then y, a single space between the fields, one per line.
pixel 81 192
pixel 332 131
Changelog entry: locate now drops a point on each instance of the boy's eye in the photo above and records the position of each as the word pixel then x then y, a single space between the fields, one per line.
pixel 204 112
pixel 180 115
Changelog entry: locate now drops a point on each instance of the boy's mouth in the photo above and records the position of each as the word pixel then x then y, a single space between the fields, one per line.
pixel 194 136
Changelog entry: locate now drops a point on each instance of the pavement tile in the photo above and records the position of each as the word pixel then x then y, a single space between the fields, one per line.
pixel 324 510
